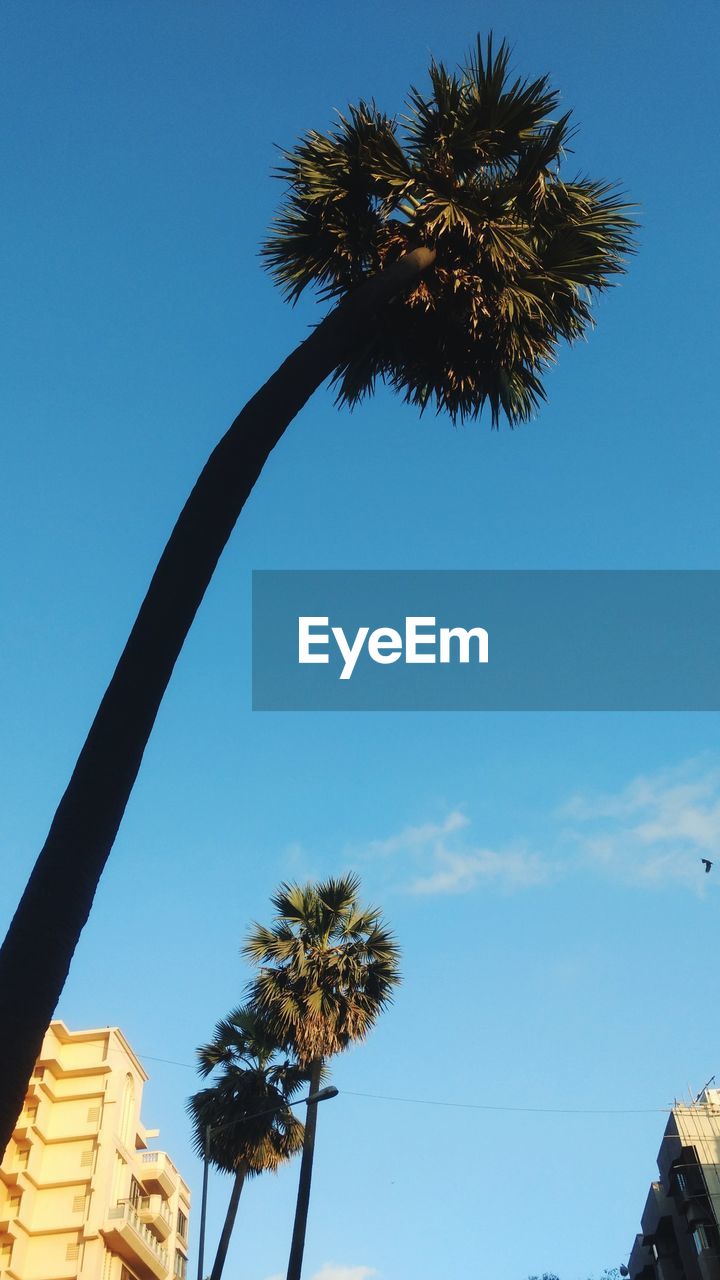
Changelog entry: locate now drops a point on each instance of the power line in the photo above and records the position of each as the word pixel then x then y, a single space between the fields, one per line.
pixel 471 1106
pixel 488 1106
pixel 171 1062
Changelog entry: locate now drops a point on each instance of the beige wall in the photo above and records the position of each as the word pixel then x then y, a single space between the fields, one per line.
pixel 81 1197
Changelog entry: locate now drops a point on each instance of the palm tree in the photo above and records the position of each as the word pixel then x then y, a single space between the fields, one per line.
pixel 247 1106
pixel 459 259
pixel 327 969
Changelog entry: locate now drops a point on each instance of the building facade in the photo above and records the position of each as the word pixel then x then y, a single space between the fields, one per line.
pixel 82 1196
pixel 680 1236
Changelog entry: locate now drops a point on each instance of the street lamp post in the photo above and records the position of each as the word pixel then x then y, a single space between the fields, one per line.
pixel 320 1096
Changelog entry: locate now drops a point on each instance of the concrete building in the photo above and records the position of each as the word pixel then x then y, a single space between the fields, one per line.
pixel 81 1193
pixel 680 1237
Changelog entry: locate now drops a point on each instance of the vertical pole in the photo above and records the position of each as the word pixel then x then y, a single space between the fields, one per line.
pixel 203 1206
pixel 297 1246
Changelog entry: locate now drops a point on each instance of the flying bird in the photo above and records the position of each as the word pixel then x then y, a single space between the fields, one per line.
pixel 707 864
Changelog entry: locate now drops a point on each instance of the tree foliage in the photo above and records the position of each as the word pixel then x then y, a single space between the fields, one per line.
pixel 327 966
pixel 473 170
pixel 609 1273
pixel 248 1102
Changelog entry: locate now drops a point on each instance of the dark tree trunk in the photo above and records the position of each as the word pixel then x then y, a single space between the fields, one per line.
pixel 39 946
pixel 227 1230
pixel 297 1246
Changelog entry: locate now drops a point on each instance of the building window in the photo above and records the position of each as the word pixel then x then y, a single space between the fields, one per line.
pixel 119 1183
pixel 136 1193
pixel 128 1112
pixel 700 1237
pixel 182 1223
pixel 180 1265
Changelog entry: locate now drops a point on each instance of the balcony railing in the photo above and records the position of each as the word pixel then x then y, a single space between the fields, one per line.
pixel 126 1213
pixel 156 1212
pixel 159 1168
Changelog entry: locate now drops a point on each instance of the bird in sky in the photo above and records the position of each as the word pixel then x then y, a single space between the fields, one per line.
pixel 707 864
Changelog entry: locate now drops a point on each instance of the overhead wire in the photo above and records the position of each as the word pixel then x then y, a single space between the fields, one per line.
pixel 470 1106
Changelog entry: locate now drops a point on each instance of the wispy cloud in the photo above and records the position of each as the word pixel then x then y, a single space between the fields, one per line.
pixel 655 830
pixel 652 832
pixel 299 864
pixel 463 872
pixel 418 838
pixel 446 860
pixel 331 1271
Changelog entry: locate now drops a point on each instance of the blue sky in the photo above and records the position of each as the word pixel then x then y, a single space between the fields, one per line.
pixel 542 872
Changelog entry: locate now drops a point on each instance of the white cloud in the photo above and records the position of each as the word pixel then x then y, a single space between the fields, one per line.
pixel 417 838
pixel 655 830
pixel 299 864
pixel 446 861
pixel 331 1271
pixel 649 833
pixel 462 872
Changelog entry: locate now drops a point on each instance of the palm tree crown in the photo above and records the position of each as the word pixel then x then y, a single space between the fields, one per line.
pixel 328 966
pixel 473 172
pixel 254 1076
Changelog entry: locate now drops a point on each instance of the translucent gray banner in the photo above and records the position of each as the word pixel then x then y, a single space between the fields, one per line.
pixel 490 640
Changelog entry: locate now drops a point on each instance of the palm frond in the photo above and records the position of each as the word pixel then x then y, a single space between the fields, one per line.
pixel 248 1104
pixel 329 988
pixel 472 170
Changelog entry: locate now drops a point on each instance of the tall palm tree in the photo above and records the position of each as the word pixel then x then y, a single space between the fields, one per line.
pixel 327 969
pixel 459 259
pixel 252 1127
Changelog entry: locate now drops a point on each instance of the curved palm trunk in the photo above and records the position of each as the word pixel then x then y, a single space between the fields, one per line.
pixel 297 1246
pixel 227 1230
pixel 37 952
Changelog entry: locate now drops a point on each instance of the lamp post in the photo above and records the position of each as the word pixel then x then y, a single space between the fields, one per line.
pixel 320 1096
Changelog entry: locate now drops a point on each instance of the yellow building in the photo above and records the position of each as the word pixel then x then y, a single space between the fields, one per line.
pixel 81 1195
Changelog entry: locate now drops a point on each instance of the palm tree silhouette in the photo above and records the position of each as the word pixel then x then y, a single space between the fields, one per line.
pixel 327 970
pixel 459 259
pixel 247 1107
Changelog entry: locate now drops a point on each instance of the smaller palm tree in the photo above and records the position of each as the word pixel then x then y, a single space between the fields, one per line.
pixel 327 969
pixel 246 1109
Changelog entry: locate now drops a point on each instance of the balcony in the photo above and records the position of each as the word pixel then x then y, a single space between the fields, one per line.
pixel 697 1210
pixel 158 1173
pixel 9 1210
pixel 155 1213
pixel 24 1124
pixel 128 1237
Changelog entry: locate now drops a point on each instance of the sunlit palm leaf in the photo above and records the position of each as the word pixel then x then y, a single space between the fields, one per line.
pixel 472 170
pixel 330 987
